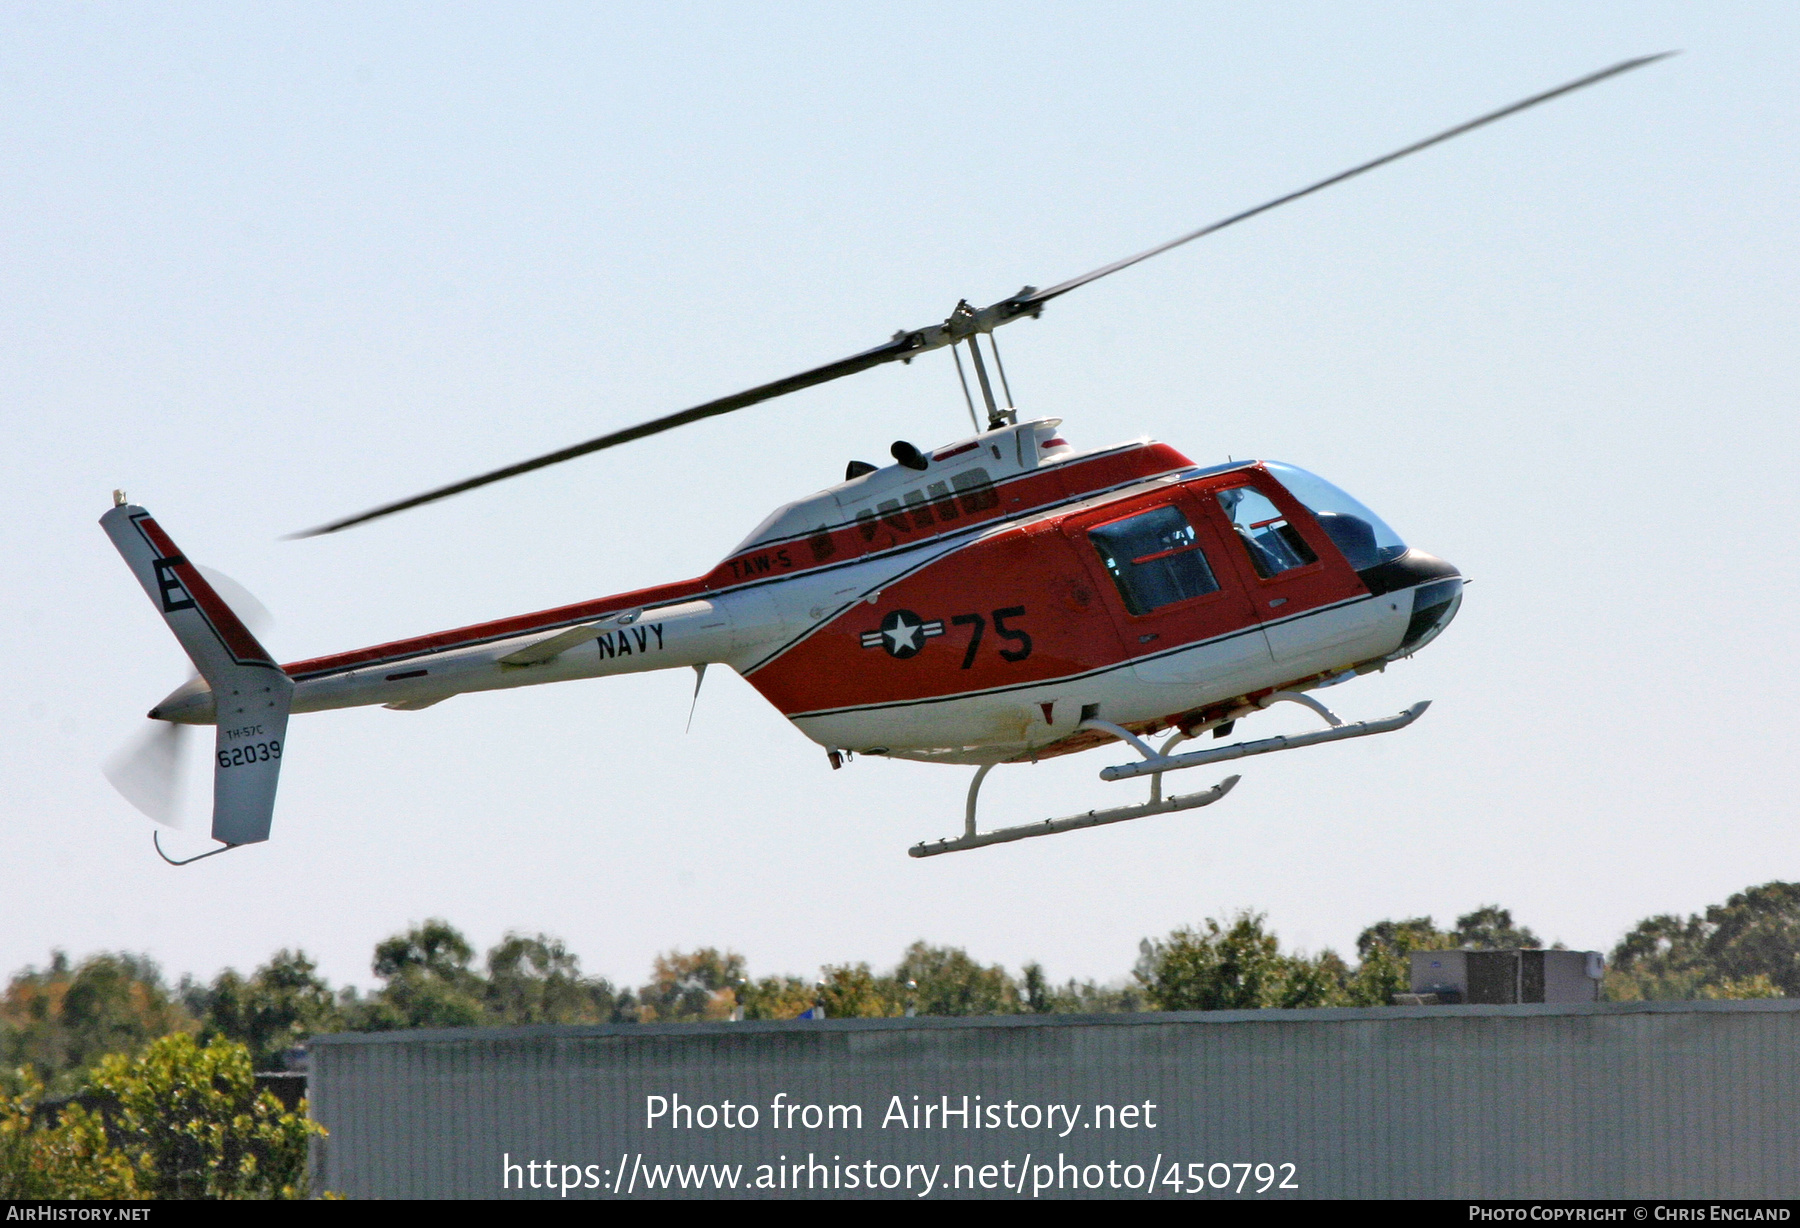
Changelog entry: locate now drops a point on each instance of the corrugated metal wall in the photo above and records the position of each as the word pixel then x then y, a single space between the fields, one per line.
pixel 1641 1100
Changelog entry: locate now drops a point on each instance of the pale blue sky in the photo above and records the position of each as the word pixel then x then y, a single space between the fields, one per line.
pixel 266 265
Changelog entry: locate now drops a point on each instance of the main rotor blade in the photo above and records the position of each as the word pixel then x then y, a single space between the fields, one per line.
pixel 964 322
pixel 897 348
pixel 1038 297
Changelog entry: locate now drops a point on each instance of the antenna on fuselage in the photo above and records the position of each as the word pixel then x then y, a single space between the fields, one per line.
pixel 699 677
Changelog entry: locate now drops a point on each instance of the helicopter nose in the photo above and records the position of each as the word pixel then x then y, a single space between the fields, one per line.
pixel 1434 605
pixel 1436 588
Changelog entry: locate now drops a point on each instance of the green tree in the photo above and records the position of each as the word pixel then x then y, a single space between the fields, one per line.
pixel 689 987
pixel 1384 950
pixel 436 947
pixel 62 1019
pixel 1491 928
pixel 1040 996
pixel 1757 933
pixel 853 991
pixel 1381 974
pixel 1402 938
pixel 1753 934
pixel 68 1159
pixel 537 979
pixel 1236 965
pixel 1217 967
pixel 276 1008
pixel 777 997
pixel 428 981
pixel 1319 980
pixel 1660 958
pixel 945 981
pixel 1758 986
pixel 192 1125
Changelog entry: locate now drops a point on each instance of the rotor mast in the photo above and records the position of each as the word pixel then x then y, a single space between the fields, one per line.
pixel 965 324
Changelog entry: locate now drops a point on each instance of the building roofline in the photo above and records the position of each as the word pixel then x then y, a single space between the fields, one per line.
pixel 1138 1019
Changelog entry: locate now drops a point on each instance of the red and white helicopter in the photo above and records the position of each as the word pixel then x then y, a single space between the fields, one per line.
pixel 1001 599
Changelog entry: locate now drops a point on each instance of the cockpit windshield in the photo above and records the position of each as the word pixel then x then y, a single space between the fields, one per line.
pixel 1363 536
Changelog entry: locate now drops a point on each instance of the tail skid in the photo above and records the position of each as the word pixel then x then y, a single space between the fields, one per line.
pixel 251 693
pixel 156 841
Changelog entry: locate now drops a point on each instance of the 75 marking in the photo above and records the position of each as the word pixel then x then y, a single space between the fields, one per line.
pixel 1020 640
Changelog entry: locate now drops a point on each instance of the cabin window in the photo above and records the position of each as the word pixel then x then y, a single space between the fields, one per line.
pixel 977 490
pixel 921 514
pixel 893 516
pixel 1274 545
pixel 1155 559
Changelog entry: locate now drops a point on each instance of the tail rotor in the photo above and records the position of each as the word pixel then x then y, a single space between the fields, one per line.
pixel 148 770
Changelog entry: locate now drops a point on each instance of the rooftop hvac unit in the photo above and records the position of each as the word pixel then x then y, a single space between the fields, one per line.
pixel 1496 978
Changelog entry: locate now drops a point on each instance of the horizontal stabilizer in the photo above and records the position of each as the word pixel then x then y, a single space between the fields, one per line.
pixel 414 705
pixel 551 647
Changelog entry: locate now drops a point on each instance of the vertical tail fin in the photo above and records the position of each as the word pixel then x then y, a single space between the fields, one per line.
pixel 251 694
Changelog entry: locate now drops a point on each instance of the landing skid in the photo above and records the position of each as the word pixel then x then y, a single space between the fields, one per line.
pixel 972 839
pixel 1153 764
pixel 1156 765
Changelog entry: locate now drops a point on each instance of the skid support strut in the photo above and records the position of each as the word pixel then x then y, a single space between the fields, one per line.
pixel 1158 804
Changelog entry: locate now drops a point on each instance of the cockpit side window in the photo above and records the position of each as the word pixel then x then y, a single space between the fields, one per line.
pixel 1274 545
pixel 1364 537
pixel 1155 559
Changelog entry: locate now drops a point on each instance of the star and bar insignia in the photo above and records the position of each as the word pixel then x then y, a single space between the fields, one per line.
pixel 902 633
